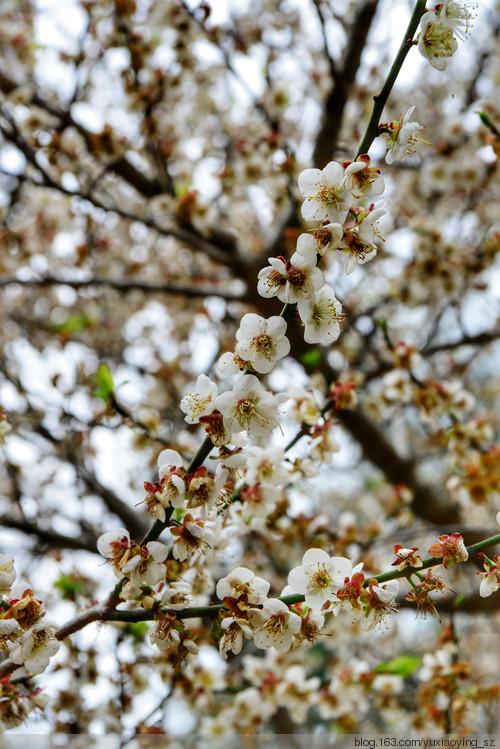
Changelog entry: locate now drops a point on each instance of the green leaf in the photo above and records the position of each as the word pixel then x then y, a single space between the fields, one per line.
pixel 485 119
pixel 459 600
pixel 72 324
pixel 311 358
pixel 69 586
pixel 137 630
pixel 401 665
pixel 105 385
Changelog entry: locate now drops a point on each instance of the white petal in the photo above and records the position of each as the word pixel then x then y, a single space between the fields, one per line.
pixel 333 173
pixel 310 182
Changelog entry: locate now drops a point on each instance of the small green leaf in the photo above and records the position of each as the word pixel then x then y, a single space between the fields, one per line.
pixel 105 385
pixel 311 358
pixel 459 600
pixel 382 323
pixel 69 586
pixel 72 324
pixel 137 630
pixel 401 665
pixel 485 119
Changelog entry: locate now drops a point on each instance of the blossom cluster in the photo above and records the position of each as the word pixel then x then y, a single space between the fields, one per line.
pixel 327 585
pixel 27 638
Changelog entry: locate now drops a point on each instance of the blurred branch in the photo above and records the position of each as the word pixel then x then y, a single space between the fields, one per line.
pixel 124 285
pixel 322 22
pixel 473 340
pixel 335 103
pixel 86 542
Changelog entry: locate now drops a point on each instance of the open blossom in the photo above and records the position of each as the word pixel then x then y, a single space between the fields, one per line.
pixel 450 548
pixel 170 490
pixel 290 280
pixel 36 646
pixel 381 602
pixel 249 407
pixel 191 537
pixel 359 250
pixel 243 582
pixel 456 15
pixel 327 237
pixel 144 566
pixel 491 577
pixel 402 138
pixel 9 632
pixel 274 625
pixel 361 179
pixel 201 402
pixel 436 41
pixel 406 557
pixel 325 194
pixel 265 464
pixel 262 342
pixel 235 630
pixel 303 408
pixel 321 315
pixel 297 693
pixel 177 596
pixel 320 576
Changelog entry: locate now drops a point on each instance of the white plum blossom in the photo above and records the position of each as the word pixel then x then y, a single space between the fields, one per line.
pixel 235 630
pixel 358 249
pixel 320 576
pixel 361 179
pixel 321 315
pixel 173 487
pixel 230 364
pixel 249 407
pixel 297 693
pixel 243 582
pixel 325 194
pixel 456 15
pixel 7 573
pixel 262 342
pixel 145 567
pixel 164 635
pixel 9 632
pixel 201 402
pixel 193 536
pixel 265 464
pixel 258 501
pixel 402 138
pixel 490 582
pixel 36 646
pixel 436 41
pixel 367 223
pixel 167 460
pixel 274 625
pixel 323 445
pixel 177 596
pixel 327 237
pixel 381 603
pixel 290 280
pixel 115 545
pixel 303 408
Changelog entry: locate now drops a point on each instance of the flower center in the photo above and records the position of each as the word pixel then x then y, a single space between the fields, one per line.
pixel 265 345
pixel 320 578
pixel 329 195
